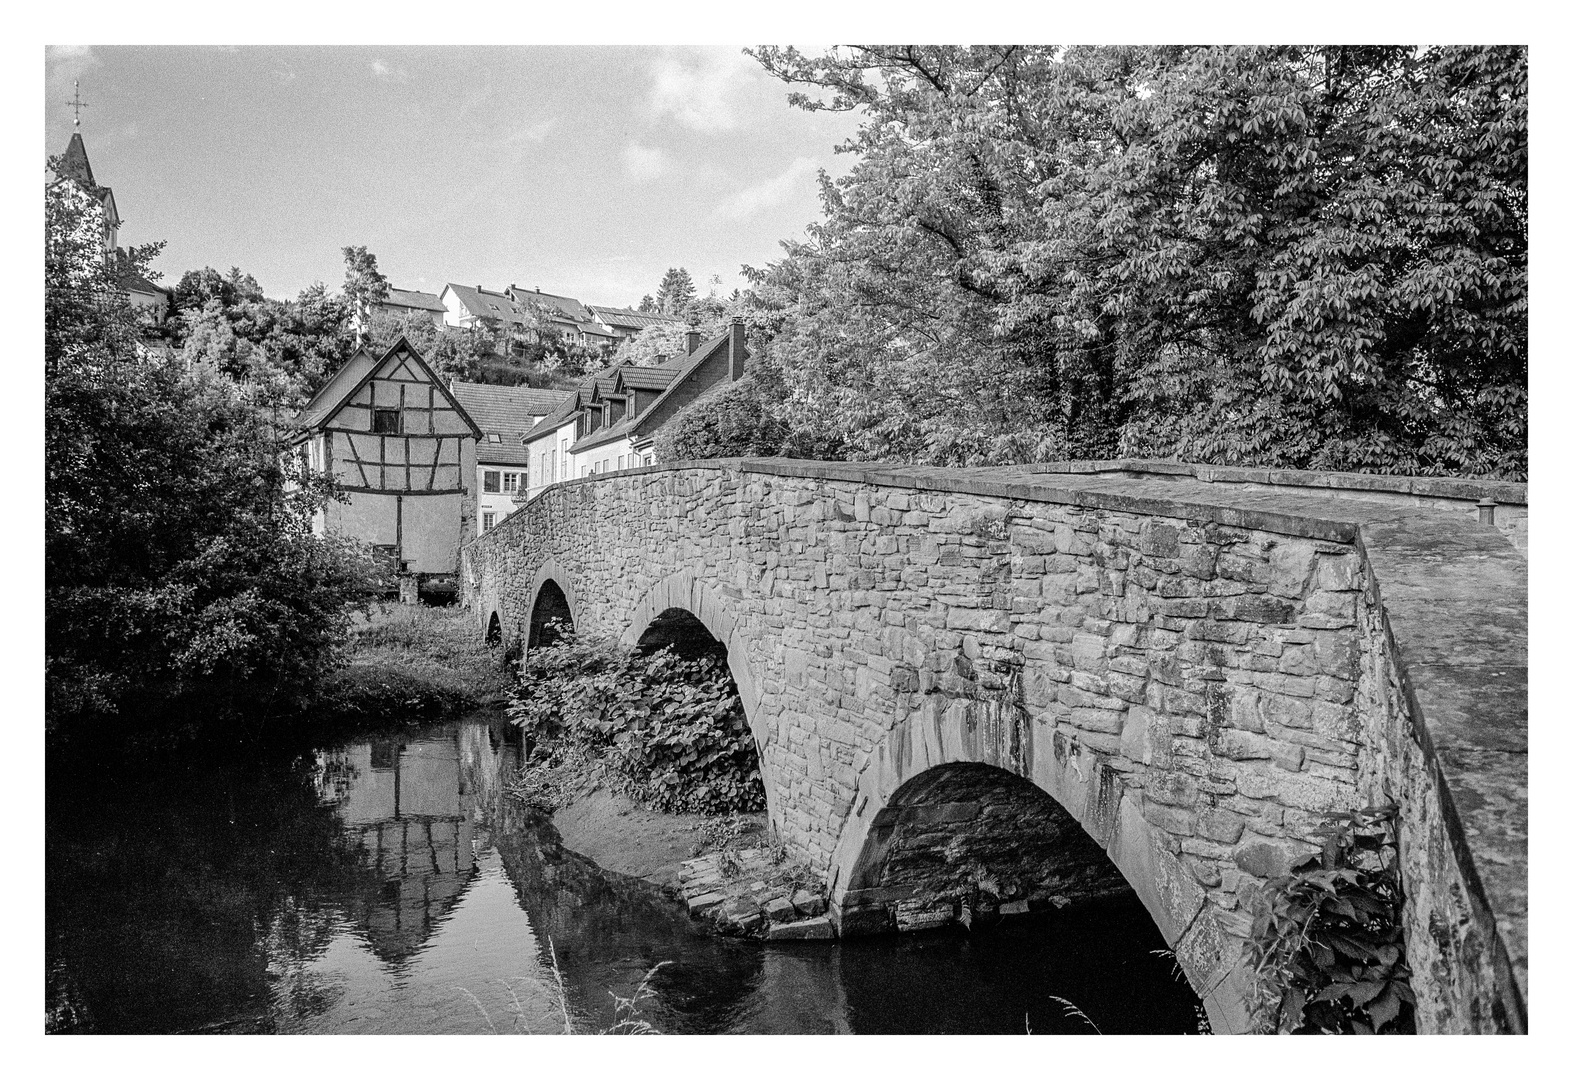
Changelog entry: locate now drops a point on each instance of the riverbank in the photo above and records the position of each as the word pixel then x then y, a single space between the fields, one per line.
pixel 431 662
pixel 424 663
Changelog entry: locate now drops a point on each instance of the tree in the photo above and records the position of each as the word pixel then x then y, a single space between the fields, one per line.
pixel 675 293
pixel 364 286
pixel 1311 257
pixel 731 421
pixel 197 287
pixel 647 303
pixel 179 560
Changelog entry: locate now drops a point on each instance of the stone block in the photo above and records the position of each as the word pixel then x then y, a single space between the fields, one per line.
pixel 818 928
pixel 1289 568
pixel 705 903
pixel 1338 573
pixel 808 904
pixel 1270 857
pixel 780 910
pixel 1243 746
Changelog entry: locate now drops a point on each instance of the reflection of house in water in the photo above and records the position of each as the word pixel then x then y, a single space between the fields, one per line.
pixel 409 804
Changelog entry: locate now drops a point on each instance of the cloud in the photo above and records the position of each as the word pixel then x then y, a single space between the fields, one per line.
pixel 383 70
pixel 286 77
pixel 68 62
pixel 697 89
pixel 534 133
pixel 645 162
pixel 772 192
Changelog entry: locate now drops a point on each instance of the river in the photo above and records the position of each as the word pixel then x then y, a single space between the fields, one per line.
pixel 388 885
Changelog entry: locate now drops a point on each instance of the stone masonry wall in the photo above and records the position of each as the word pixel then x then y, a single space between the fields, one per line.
pixel 1461 984
pixel 1188 688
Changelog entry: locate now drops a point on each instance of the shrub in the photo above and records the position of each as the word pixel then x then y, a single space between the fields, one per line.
pixel 1327 945
pixel 673 729
pixel 733 421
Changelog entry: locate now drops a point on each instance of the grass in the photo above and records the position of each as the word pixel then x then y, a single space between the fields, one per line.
pixel 422 662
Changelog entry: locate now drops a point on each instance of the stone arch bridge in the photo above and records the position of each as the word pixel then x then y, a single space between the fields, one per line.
pixel 1193 665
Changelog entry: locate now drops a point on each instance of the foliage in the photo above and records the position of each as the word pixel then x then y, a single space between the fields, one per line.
pixel 364 285
pixel 1311 257
pixel 366 691
pixel 289 347
pixel 1327 944
pixel 676 291
pixel 197 288
pixel 731 421
pixel 178 554
pixel 672 728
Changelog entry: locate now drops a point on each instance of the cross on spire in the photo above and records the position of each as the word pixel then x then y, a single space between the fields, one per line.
pixel 76 103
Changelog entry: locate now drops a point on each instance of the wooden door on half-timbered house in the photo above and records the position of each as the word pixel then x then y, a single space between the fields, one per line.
pixel 403 449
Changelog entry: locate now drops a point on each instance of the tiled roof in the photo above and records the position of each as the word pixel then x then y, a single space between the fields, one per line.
pixel 326 400
pixel 567 305
pixel 413 299
pixel 134 282
pixel 647 378
pixel 487 304
pixel 689 363
pixel 627 318
pixel 509 411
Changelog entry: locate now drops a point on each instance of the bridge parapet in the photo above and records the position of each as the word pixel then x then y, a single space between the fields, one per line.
pixel 1197 664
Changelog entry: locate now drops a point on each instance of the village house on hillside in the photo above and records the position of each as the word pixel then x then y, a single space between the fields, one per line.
pixel 142 293
pixel 611 421
pixel 401 302
pixel 529 311
pixel 403 448
pixel 625 322
pixel 505 415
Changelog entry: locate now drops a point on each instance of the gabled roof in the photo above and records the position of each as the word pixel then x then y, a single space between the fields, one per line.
pixel 689 366
pixel 345 384
pixel 412 298
pixel 567 305
pixel 510 411
pixel 646 378
pixel 486 304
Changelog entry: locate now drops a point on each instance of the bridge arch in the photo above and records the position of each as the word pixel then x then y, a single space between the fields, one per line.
pixel 922 748
pixel 551 595
pixel 684 592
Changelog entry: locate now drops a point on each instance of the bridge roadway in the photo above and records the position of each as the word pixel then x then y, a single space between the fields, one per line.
pixel 946 669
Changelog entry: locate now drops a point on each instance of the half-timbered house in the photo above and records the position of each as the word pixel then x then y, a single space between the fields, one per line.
pixel 402 447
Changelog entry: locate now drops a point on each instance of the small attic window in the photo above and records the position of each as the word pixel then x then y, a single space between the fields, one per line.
pixel 492 436
pixel 385 421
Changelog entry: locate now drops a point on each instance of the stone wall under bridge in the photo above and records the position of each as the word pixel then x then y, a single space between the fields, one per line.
pixel 1194 664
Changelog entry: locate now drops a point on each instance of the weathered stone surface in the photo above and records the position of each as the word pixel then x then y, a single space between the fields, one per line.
pixel 815 929
pixel 808 904
pixel 1267 857
pixel 1211 650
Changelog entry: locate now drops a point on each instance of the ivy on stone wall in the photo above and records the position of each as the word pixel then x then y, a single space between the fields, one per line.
pixel 1327 944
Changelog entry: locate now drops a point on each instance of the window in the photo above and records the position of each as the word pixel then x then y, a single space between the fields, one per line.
pixel 622 460
pixel 385 421
pixel 489 480
pixel 510 482
pixel 488 520
pixel 492 436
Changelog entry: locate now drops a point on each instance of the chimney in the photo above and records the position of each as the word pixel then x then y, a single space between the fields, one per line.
pixel 735 349
pixel 694 338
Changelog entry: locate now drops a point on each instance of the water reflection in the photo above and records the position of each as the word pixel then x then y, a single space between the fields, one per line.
pixel 388 885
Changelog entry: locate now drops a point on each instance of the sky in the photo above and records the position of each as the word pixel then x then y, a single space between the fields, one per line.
pixel 581 170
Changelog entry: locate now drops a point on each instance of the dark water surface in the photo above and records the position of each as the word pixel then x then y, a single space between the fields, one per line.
pixel 388 886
